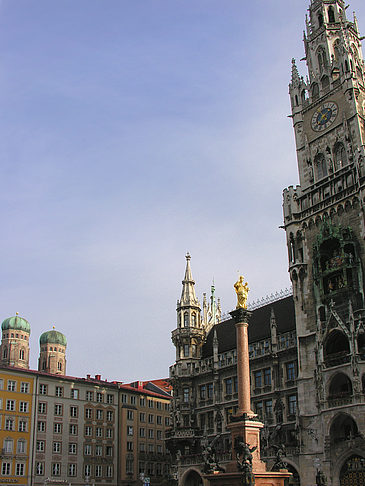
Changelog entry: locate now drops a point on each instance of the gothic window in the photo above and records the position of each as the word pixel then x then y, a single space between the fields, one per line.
pixel 336 348
pixel 186 396
pixel 331 15
pixel 320 19
pixel 303 95
pixel 186 350
pixel 186 319
pixel 315 91
pixel 193 320
pixel 291 248
pixel 325 83
pixel 320 166
pixel 59 366
pixel 340 387
pixel 343 428
pixel 340 155
pixel 5 352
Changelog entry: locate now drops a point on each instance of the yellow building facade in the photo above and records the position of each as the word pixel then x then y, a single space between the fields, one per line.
pixel 16 410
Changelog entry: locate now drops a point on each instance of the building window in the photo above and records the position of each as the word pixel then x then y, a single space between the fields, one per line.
pixel 39 468
pixel 203 392
pixel 133 400
pixel 99 414
pixel 56 469
pixel 129 446
pixel 9 424
pixel 159 419
pixel 59 391
pixel 24 387
pixel 259 409
pixel 109 399
pixel 186 395
pixel 129 429
pixel 167 421
pixel 258 379
pixel 87 450
pixel 267 377
pixel 11 385
pixel 42 408
pixel 99 432
pixel 268 408
pixel 72 448
pixel 129 466
pixel 109 433
pixel 109 451
pixel 72 471
pixel 151 448
pixel 109 416
pixel 290 371
pixel 142 432
pixel 21 447
pixel 123 398
pixel 292 403
pixel 228 386
pixel 58 409
pixel 87 470
pixel 74 393
pixel 19 469
pixel 109 471
pixel 142 417
pixel 40 446
pixel 57 447
pixel 10 405
pixel 130 415
pixel 186 350
pixel 6 468
pixel 210 391
pixel 186 319
pixel 150 403
pixel 73 429
pixel 142 402
pixel 235 384
pixel 73 411
pixel 88 431
pixel 90 396
pixel 88 413
pixel 8 445
pixel 98 450
pixel 99 397
pixel 42 391
pixel 98 471
pixel 22 426
pixel 159 434
pixel 41 426
pixel 150 418
pixel 57 428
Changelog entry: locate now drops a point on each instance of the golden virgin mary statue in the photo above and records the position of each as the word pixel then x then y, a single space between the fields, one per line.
pixel 242 293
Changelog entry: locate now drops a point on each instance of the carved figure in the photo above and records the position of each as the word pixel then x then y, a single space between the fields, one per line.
pixel 244 460
pixel 279 459
pixel 210 457
pixel 321 479
pixel 242 293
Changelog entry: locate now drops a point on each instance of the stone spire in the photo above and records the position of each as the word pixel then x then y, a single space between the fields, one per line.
pixel 295 79
pixel 188 296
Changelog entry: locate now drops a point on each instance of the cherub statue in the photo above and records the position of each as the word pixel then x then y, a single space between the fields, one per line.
pixel 242 293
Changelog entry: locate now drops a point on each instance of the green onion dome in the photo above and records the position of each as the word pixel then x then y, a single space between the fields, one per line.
pixel 16 323
pixel 53 337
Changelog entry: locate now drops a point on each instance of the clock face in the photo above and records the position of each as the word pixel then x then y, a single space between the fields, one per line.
pixel 324 116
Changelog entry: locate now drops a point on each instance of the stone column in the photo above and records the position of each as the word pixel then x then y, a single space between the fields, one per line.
pixel 241 317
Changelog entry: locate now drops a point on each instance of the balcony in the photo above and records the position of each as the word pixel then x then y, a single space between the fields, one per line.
pixel 336 359
pixel 339 401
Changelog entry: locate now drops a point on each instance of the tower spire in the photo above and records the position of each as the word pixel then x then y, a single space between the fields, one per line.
pixel 188 296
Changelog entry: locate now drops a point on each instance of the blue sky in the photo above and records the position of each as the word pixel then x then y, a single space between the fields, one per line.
pixel 131 132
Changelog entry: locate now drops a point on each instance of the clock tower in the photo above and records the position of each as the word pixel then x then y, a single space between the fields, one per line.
pixel 325 231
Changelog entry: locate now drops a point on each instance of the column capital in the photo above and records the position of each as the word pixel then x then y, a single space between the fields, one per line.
pixel 241 316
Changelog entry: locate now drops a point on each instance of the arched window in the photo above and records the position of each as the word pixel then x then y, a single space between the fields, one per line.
pixel 320 166
pixel 340 387
pixel 5 352
pixel 331 15
pixel 343 428
pixel 336 345
pixel 59 366
pixel 44 365
pixel 340 155
pixel 21 354
pixel 186 319
pixel 193 319
pixel 320 19
pixel 303 95
pixel 315 91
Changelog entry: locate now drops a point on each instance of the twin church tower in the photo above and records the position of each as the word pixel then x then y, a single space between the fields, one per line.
pixel 14 348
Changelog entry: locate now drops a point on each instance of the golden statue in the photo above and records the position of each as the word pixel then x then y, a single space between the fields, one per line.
pixel 242 293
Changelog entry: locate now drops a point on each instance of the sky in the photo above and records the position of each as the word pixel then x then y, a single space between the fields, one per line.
pixel 132 132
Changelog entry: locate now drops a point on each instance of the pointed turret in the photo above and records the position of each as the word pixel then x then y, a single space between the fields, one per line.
pixel 188 296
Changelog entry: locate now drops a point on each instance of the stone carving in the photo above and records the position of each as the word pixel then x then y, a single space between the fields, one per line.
pixel 210 458
pixel 244 460
pixel 279 458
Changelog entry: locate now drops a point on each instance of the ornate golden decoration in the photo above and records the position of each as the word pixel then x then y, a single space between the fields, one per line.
pixel 242 293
